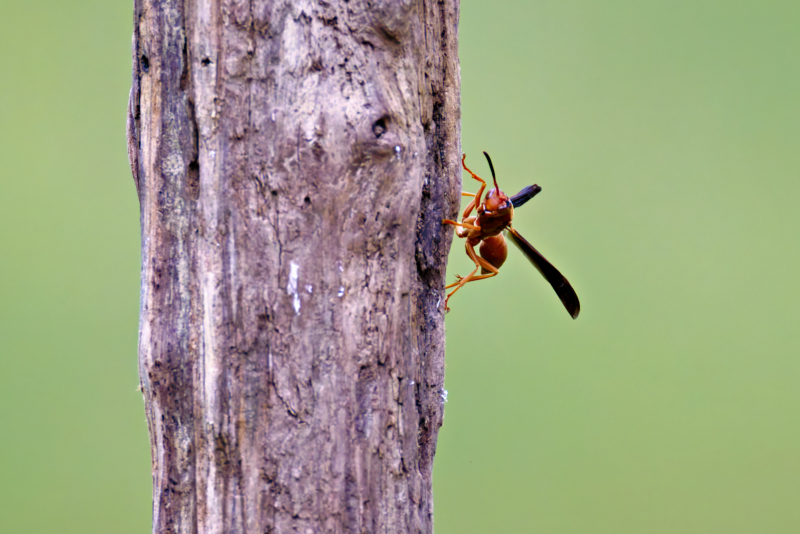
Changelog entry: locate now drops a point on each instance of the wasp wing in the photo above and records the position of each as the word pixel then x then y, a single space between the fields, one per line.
pixel 525 195
pixel 557 280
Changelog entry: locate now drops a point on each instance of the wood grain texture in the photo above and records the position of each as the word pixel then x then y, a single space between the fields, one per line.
pixel 294 161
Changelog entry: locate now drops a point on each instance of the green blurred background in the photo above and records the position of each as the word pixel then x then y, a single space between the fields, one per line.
pixel 666 137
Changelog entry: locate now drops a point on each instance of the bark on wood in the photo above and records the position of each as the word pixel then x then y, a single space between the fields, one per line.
pixel 294 161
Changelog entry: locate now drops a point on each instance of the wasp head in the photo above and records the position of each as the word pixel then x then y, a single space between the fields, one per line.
pixel 496 203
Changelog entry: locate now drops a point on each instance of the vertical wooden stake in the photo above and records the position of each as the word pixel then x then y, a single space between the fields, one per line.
pixel 294 161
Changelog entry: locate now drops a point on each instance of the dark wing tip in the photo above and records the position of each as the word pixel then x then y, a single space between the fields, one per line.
pixel 568 297
pixel 572 305
pixel 564 290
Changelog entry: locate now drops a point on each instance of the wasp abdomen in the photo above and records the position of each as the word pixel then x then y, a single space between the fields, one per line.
pixel 494 250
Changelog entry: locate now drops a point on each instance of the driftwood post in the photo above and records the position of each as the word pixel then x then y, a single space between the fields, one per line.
pixel 293 162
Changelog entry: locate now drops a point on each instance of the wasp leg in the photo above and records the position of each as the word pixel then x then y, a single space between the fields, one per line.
pixel 464 157
pixel 465 225
pixel 477 200
pixel 479 263
pixel 454 284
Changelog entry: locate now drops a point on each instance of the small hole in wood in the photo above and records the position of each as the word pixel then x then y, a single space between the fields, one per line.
pixel 379 128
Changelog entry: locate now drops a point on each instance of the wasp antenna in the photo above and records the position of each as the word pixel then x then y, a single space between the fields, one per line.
pixel 491 167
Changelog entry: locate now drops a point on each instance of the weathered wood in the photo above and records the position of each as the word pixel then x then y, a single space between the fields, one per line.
pixel 294 161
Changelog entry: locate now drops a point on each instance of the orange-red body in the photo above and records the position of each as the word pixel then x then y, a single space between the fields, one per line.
pixel 494 250
pixel 494 216
pixel 485 230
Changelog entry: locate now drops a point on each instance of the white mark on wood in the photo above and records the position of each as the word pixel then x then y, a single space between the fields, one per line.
pixel 210 396
pixel 444 396
pixel 341 266
pixel 210 363
pixel 309 288
pixel 291 289
pixel 397 151
pixel 340 294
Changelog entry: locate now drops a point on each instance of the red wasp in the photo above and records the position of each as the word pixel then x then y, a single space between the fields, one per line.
pixel 487 229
